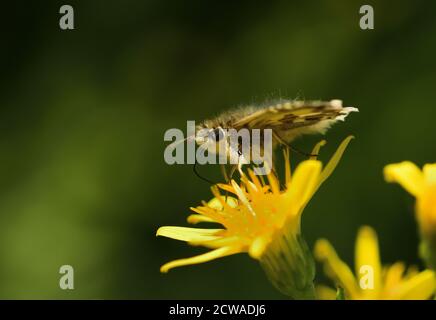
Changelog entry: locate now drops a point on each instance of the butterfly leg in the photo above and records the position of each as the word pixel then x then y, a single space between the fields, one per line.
pixel 233 168
pixel 232 171
pixel 227 178
pixel 224 173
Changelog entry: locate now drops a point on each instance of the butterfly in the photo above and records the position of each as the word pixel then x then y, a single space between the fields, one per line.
pixel 286 119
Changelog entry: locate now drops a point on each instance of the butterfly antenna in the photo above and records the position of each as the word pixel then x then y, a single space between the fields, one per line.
pixel 199 176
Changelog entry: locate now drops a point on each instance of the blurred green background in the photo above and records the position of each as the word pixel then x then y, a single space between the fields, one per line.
pixel 83 113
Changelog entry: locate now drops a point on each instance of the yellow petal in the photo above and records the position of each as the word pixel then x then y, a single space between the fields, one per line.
pixel 251 187
pixel 273 183
pixel 211 255
pixel 243 198
pixel 216 204
pixel 331 165
pixel 225 187
pixel 220 202
pixel 258 246
pixel 325 293
pixel 426 211
pixel 197 218
pixel 303 183
pixel 418 287
pixel 412 271
pixel 367 254
pixel 189 234
pixel 393 276
pixel 336 268
pixel 273 180
pixel 407 174
pixel 254 178
pixel 430 173
pixel 315 150
pixel 209 212
pixel 226 241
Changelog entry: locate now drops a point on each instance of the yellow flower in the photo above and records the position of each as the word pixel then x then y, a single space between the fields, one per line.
pixel 372 281
pixel 422 185
pixel 263 220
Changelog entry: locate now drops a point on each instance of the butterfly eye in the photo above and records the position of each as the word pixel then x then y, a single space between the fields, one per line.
pixel 217 134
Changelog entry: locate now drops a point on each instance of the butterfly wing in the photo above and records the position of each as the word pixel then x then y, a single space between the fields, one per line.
pixel 292 118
